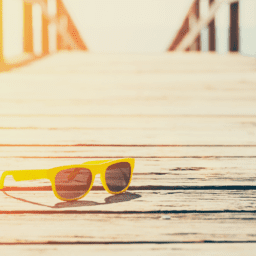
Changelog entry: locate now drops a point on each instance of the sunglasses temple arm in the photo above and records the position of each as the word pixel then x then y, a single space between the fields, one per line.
pixel 24 175
pixel 2 179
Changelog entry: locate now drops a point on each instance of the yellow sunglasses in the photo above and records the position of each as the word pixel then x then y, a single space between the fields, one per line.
pixel 73 182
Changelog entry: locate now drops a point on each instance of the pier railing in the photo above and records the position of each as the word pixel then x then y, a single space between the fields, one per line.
pixel 67 35
pixel 188 36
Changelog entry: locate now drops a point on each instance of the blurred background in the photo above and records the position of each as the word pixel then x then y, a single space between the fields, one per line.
pixel 129 26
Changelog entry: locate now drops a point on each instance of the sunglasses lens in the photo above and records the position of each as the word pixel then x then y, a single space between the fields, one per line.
pixel 118 176
pixel 73 183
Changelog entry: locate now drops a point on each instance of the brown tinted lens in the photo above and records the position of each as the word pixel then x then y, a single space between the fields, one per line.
pixel 73 183
pixel 118 176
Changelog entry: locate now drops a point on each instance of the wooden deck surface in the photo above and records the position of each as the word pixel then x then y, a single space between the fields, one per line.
pixel 189 120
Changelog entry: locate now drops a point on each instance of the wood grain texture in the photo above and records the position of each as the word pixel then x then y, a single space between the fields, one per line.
pixel 82 83
pixel 138 121
pixel 134 201
pixel 80 62
pixel 191 129
pixel 135 228
pixel 227 134
pixel 126 151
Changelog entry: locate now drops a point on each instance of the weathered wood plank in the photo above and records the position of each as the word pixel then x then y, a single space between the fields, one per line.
pixel 80 83
pixel 132 228
pixel 80 62
pixel 133 91
pixel 115 136
pixel 116 129
pixel 111 129
pixel 157 101
pixel 186 172
pixel 134 201
pixel 242 134
pixel 93 89
pixel 195 249
pixel 126 151
pixel 164 122
pixel 158 164
pixel 105 105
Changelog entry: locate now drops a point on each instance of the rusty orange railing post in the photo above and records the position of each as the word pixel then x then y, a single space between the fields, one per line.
pixel 188 24
pixel 45 33
pixel 193 19
pixel 68 35
pixel 27 28
pixel 60 41
pixel 181 33
pixel 212 39
pixel 197 13
pixel 189 35
pixel 234 27
pixel 1 32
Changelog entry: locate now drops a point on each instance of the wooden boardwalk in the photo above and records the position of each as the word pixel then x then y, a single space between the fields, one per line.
pixel 189 120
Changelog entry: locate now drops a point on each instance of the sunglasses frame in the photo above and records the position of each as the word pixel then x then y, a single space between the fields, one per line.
pixel 96 167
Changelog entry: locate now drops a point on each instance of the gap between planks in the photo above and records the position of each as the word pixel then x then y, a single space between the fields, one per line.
pixel 184 249
pixel 129 243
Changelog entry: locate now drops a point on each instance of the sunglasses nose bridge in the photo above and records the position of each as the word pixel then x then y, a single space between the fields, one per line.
pixel 97 170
